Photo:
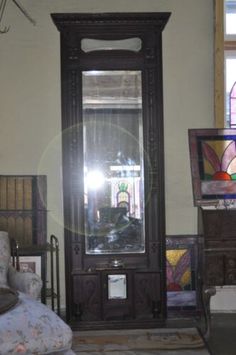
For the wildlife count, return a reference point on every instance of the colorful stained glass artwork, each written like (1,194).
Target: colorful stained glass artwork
(178,269)
(123,196)
(219,160)
(213,164)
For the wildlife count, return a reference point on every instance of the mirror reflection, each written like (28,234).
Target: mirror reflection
(113,162)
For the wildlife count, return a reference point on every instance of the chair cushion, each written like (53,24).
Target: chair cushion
(32,328)
(26,282)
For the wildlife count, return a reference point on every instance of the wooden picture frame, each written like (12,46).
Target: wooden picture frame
(31,264)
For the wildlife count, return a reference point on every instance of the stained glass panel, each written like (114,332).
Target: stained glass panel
(213,165)
(178,270)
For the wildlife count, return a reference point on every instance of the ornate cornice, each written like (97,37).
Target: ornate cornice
(78,20)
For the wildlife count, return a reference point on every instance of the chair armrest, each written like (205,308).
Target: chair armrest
(27,282)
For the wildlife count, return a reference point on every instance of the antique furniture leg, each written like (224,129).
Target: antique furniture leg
(207,293)
(54,245)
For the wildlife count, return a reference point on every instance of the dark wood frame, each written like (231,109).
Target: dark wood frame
(150,266)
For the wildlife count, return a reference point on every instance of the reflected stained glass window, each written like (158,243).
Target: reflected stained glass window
(178,270)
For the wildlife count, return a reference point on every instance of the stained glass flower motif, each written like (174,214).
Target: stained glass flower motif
(219,160)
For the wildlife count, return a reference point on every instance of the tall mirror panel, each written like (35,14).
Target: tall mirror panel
(113,162)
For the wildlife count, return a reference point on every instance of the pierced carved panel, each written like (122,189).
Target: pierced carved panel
(87,296)
(147,294)
(230,269)
(214,270)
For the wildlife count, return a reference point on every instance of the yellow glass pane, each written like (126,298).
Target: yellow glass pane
(173,256)
(186,278)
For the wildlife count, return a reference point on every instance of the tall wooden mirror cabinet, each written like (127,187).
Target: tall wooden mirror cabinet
(113,168)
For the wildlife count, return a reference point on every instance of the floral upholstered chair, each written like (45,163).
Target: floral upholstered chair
(26,325)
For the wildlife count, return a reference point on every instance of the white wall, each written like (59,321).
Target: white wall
(224,300)
(30,96)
